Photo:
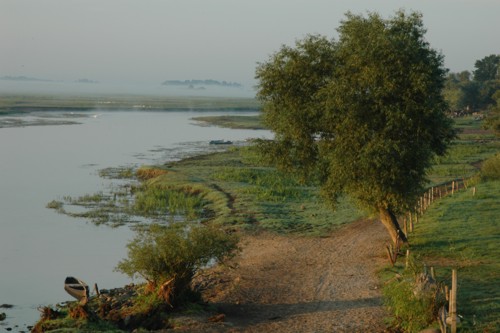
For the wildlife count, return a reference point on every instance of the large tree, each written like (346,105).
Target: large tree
(364,115)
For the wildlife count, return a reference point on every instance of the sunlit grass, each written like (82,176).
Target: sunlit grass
(463,231)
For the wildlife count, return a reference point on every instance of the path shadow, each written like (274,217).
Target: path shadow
(254,313)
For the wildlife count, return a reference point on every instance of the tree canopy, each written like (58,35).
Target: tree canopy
(487,68)
(469,93)
(364,115)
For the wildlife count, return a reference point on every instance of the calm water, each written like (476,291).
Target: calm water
(39,247)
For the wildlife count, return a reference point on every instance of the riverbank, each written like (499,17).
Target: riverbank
(276,284)
(286,277)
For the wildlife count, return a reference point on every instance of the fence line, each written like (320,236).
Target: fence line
(447,317)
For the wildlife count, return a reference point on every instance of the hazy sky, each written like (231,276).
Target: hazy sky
(151,41)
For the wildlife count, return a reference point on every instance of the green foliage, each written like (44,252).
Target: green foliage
(364,115)
(487,68)
(413,301)
(464,93)
(493,117)
(178,251)
(491,168)
(155,200)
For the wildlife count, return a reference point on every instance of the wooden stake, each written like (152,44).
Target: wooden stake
(474,191)
(453,303)
(96,289)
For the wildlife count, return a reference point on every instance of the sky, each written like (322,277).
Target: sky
(150,41)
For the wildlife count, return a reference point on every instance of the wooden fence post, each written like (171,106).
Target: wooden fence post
(453,301)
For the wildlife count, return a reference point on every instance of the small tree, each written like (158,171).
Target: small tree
(174,253)
(365,114)
(493,119)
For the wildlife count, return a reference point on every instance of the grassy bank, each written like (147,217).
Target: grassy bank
(463,232)
(459,231)
(232,189)
(257,196)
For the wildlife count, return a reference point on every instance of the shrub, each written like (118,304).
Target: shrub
(414,300)
(169,256)
(491,168)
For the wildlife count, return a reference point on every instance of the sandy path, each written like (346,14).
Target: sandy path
(297,284)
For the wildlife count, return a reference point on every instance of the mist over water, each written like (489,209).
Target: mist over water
(121,88)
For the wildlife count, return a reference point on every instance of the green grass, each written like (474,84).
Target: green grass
(464,157)
(249,195)
(463,231)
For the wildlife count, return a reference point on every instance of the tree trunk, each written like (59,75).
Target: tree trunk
(390,222)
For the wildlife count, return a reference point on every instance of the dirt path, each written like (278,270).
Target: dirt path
(292,284)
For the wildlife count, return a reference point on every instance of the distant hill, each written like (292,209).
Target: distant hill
(22,78)
(194,83)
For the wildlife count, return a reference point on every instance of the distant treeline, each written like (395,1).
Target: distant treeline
(202,82)
(22,78)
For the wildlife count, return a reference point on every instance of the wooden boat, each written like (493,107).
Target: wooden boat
(77,288)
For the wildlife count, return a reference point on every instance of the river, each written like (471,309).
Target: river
(38,246)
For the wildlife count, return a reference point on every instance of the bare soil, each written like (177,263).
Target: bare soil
(301,284)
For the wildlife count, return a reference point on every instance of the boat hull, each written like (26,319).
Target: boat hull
(76,288)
